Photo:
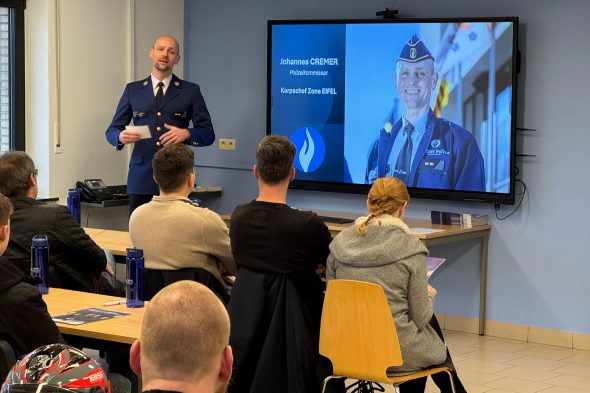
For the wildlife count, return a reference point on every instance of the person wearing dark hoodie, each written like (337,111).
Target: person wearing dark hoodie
(24,320)
(76,258)
(380,249)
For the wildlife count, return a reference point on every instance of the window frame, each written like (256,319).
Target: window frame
(17,72)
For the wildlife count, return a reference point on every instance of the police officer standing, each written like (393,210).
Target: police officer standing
(421,149)
(166,104)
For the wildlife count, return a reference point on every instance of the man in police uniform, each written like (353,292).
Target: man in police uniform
(423,150)
(166,104)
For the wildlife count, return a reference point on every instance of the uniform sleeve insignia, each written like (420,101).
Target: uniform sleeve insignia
(388,127)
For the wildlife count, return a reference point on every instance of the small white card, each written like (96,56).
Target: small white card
(425,231)
(144,131)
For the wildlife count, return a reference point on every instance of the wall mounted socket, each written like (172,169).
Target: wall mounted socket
(227,144)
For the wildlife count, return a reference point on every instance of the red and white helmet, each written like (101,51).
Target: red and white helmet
(56,368)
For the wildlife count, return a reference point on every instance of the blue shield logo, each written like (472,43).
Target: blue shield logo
(310,147)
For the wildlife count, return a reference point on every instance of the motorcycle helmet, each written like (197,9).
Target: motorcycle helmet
(56,368)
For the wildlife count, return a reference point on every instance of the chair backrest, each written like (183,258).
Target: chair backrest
(274,333)
(7,359)
(154,280)
(357,332)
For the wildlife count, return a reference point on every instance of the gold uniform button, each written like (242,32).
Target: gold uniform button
(159,128)
(158,143)
(159,114)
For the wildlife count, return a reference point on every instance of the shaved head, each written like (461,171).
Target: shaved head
(166,36)
(184,332)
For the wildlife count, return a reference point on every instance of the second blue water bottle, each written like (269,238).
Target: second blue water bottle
(74,203)
(40,262)
(134,278)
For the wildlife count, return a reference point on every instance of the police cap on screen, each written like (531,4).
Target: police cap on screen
(414,51)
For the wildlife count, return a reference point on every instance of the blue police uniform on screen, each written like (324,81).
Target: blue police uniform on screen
(421,149)
(181,104)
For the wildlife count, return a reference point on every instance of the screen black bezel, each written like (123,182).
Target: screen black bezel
(426,193)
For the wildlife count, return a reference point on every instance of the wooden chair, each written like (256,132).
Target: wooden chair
(359,337)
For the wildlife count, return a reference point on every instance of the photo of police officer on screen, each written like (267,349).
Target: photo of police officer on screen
(421,149)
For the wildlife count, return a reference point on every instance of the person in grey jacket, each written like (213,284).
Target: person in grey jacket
(380,249)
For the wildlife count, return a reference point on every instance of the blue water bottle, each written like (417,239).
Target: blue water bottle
(134,278)
(74,203)
(40,262)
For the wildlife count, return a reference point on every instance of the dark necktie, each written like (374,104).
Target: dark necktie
(159,93)
(404,160)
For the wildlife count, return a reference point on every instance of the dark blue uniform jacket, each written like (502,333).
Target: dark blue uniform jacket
(181,104)
(447,157)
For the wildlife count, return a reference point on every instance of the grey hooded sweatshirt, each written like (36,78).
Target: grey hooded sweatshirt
(389,255)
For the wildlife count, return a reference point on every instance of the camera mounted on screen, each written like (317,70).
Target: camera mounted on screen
(387,13)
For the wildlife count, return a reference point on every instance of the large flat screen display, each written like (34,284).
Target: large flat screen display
(429,101)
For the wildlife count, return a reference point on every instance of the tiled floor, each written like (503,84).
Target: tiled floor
(497,365)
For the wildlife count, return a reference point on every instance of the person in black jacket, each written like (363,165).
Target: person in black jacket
(74,256)
(276,301)
(24,320)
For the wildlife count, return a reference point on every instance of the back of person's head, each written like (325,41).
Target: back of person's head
(274,159)
(172,165)
(16,168)
(184,332)
(5,212)
(386,196)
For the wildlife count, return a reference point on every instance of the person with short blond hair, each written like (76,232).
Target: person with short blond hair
(184,342)
(380,249)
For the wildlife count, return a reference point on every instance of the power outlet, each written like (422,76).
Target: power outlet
(227,144)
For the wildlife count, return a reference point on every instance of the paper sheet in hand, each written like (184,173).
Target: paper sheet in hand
(87,315)
(144,131)
(432,263)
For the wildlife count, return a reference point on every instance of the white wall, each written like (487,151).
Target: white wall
(37,89)
(152,19)
(79,56)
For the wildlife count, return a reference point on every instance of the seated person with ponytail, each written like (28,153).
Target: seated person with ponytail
(380,249)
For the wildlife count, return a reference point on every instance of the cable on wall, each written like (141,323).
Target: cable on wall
(522,194)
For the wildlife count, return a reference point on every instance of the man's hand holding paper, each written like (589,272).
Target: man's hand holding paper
(132,134)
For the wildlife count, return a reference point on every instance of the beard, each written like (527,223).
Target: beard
(163,68)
